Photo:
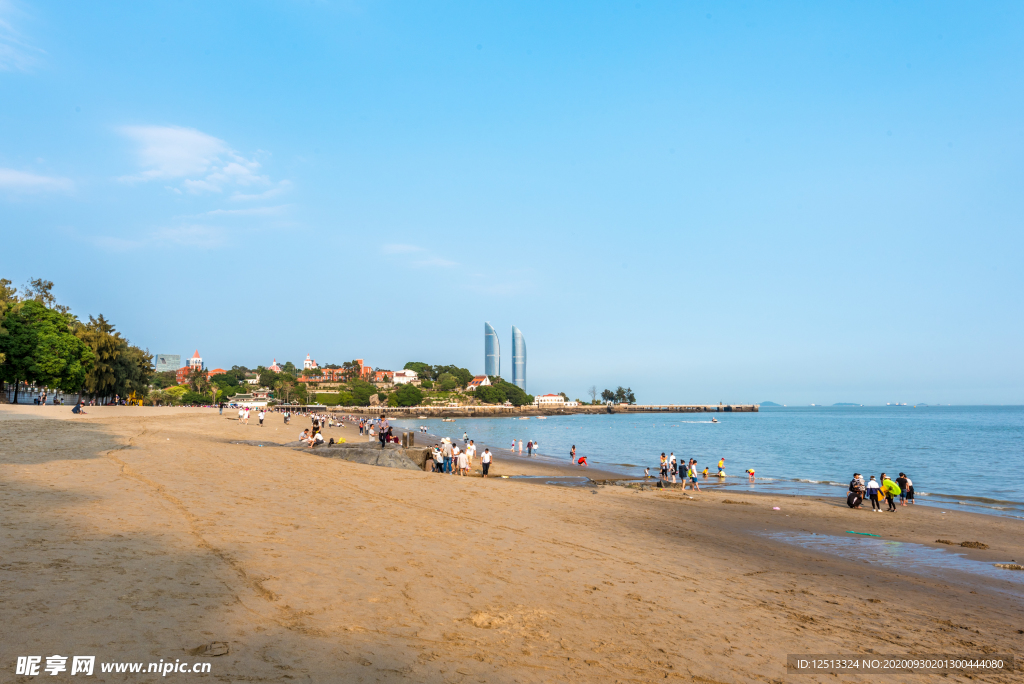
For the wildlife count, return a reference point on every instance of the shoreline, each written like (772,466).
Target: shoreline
(782,486)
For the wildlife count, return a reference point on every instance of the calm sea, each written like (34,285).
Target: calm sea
(968,457)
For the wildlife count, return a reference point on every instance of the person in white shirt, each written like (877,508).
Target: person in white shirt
(318,440)
(241,414)
(470,453)
(485,460)
(304,435)
(872,491)
(246,418)
(262,415)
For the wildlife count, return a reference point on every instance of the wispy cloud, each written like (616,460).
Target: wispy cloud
(21,181)
(192,236)
(251,211)
(424,258)
(16,54)
(436,262)
(401,249)
(282,186)
(203,163)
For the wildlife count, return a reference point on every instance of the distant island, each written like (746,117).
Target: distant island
(769,403)
(845,404)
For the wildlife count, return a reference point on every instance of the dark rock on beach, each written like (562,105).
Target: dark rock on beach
(391,456)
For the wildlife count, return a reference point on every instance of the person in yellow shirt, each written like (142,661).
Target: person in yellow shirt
(721,467)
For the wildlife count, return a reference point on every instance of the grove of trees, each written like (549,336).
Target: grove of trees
(43,343)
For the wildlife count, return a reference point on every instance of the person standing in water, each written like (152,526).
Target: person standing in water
(529,448)
(673,467)
(520,447)
(721,466)
(572,454)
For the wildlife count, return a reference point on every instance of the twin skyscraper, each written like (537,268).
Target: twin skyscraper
(492,355)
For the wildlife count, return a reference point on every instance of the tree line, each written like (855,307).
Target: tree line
(43,343)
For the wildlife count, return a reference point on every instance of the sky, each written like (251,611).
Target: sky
(703,201)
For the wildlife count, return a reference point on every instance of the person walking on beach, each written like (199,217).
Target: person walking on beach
(663,467)
(470,453)
(485,460)
(872,490)
(910,491)
(438,461)
(572,454)
(529,448)
(693,475)
(246,418)
(241,414)
(262,415)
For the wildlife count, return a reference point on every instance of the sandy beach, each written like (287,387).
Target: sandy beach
(140,534)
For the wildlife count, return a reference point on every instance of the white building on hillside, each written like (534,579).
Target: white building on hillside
(308,363)
(403,377)
(549,401)
(478,381)
(196,361)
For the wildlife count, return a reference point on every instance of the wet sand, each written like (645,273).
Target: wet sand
(135,534)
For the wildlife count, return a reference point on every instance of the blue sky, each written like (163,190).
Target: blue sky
(798,202)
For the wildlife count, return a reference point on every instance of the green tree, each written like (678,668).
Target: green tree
(39,346)
(290,369)
(361,392)
(446,382)
(607,396)
(408,395)
(169,379)
(426,383)
(490,394)
(423,370)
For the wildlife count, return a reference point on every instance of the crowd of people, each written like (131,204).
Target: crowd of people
(450,459)
(883,489)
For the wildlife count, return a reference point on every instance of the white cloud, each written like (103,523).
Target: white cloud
(282,186)
(195,235)
(401,249)
(15,53)
(21,181)
(202,162)
(252,211)
(437,261)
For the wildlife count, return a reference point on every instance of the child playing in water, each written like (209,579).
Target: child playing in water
(750,472)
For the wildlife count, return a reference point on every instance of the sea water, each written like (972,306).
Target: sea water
(958,457)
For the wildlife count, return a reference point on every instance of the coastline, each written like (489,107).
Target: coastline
(163,536)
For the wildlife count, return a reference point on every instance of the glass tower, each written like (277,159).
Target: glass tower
(492,352)
(518,359)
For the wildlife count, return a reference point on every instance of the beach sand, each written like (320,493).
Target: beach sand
(139,534)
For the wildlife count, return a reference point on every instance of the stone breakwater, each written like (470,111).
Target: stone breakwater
(515,411)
